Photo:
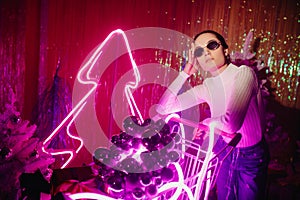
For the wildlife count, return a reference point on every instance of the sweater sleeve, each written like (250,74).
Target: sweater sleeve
(171,102)
(244,87)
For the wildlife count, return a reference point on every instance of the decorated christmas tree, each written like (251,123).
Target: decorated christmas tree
(20,152)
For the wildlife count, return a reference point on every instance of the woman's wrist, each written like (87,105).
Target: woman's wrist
(184,75)
(190,68)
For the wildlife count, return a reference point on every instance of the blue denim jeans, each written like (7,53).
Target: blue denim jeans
(243,174)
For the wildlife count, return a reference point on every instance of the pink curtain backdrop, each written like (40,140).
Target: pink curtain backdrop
(35,35)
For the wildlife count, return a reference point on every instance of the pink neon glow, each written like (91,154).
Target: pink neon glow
(204,167)
(59,152)
(69,133)
(179,185)
(128,87)
(87,67)
(209,155)
(90,195)
(172,116)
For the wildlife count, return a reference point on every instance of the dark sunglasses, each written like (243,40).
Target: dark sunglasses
(211,45)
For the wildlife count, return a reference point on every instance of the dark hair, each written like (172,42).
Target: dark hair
(218,36)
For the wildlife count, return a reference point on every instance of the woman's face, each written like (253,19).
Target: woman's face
(211,60)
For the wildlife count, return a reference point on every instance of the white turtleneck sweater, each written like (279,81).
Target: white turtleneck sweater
(233,97)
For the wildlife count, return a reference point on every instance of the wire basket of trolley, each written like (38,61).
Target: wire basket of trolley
(199,166)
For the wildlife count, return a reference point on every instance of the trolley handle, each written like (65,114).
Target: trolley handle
(204,127)
(235,140)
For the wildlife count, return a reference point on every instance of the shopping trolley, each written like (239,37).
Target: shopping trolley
(197,169)
(200,166)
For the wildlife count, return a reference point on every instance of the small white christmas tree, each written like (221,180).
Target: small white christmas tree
(20,152)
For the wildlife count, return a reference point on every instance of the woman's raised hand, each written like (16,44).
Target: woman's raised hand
(191,66)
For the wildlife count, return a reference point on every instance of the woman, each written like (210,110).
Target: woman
(233,96)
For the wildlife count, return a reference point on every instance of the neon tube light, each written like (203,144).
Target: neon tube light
(85,72)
